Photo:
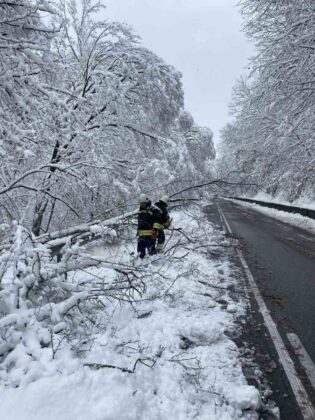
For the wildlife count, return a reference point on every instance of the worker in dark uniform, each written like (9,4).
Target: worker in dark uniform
(149,218)
(162,205)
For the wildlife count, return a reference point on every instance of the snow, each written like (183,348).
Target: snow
(243,398)
(304,202)
(168,355)
(297,220)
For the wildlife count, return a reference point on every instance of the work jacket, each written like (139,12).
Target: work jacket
(165,217)
(149,218)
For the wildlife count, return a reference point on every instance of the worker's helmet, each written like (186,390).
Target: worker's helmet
(165,199)
(143,198)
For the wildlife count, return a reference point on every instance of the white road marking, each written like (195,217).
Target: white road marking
(303,357)
(302,398)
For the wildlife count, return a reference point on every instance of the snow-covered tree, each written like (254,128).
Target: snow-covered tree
(274,111)
(94,119)
(185,122)
(24,54)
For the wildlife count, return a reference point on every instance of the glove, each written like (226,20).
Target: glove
(154,234)
(168,223)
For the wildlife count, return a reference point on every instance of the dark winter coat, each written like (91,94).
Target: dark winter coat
(148,218)
(165,217)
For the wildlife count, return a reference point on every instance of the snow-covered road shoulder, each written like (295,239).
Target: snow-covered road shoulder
(165,353)
(293,219)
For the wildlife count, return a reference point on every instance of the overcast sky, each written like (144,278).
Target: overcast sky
(202,39)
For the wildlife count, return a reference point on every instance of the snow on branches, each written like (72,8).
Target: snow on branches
(41,296)
(272,138)
(88,116)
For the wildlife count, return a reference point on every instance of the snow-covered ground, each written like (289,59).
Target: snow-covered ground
(305,202)
(165,354)
(293,219)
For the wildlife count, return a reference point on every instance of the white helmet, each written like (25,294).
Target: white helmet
(165,199)
(143,198)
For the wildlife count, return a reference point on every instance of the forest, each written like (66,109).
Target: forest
(89,119)
(271,139)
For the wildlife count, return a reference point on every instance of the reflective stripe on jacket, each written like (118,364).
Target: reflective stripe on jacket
(165,218)
(158,226)
(148,218)
(145,232)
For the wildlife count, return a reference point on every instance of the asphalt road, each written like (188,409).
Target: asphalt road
(281,258)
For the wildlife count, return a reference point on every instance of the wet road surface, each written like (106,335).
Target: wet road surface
(281,258)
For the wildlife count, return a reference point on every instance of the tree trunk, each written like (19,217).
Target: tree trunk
(38,216)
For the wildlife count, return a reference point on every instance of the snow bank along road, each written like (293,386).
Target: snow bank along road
(280,259)
(156,346)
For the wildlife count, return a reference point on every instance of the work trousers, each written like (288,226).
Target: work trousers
(146,243)
(160,240)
